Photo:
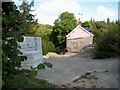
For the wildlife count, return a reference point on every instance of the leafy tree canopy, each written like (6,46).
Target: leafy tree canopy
(108,45)
(86,24)
(40,30)
(43,31)
(65,23)
(15,24)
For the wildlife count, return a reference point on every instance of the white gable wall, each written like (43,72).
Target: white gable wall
(78,33)
(77,39)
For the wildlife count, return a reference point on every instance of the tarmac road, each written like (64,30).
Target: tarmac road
(67,69)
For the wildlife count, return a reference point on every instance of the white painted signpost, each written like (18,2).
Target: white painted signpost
(32,48)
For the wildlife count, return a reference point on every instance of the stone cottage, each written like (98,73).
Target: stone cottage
(77,39)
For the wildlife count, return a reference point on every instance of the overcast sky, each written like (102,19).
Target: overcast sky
(48,10)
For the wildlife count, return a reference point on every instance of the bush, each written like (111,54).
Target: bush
(60,51)
(15,23)
(108,45)
(14,26)
(47,46)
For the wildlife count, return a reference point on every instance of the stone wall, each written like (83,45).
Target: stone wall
(77,44)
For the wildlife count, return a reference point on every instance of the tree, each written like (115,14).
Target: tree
(108,21)
(62,26)
(40,30)
(86,24)
(91,21)
(15,24)
(108,45)
(100,24)
(43,31)
(117,22)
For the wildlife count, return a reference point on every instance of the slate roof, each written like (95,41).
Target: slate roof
(89,29)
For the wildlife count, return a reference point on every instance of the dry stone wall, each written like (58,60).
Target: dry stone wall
(77,44)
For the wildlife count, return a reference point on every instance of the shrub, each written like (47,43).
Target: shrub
(47,46)
(60,50)
(108,45)
(15,24)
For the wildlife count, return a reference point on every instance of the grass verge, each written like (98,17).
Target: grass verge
(22,81)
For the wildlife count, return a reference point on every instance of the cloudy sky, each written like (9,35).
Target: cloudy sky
(48,10)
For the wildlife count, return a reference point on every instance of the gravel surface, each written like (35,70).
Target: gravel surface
(67,72)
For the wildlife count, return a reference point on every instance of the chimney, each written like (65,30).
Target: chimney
(79,22)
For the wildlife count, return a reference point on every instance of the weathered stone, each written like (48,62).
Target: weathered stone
(77,44)
(87,52)
(32,48)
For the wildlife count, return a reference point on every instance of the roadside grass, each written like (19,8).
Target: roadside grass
(22,81)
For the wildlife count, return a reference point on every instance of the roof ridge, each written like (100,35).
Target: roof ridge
(82,29)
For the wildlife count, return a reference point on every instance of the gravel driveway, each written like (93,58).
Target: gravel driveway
(68,69)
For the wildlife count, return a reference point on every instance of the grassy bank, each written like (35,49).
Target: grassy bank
(22,81)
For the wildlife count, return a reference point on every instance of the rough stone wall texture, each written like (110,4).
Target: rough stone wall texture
(32,48)
(77,44)
(87,52)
